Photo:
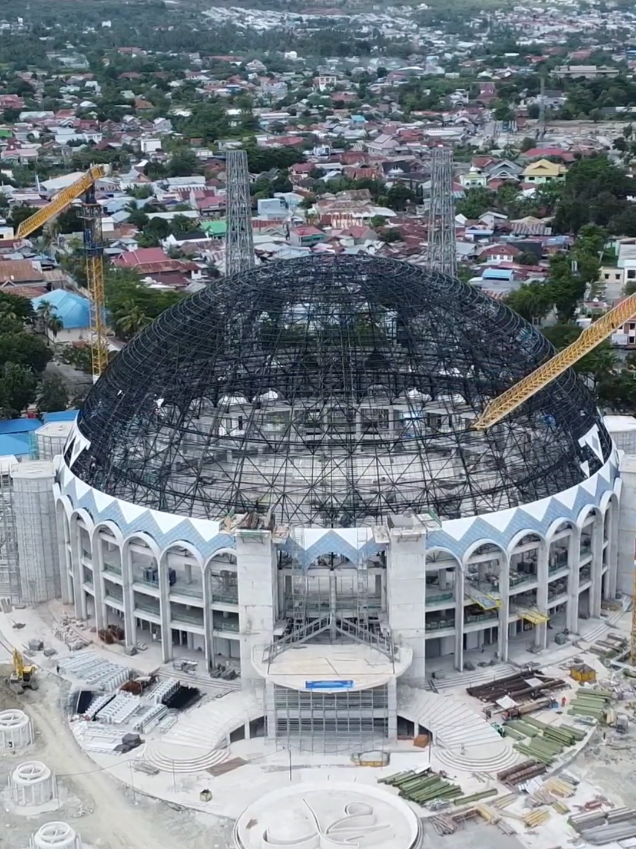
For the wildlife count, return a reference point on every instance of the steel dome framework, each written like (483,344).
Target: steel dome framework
(334,391)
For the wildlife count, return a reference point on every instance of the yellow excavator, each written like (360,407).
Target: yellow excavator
(23,676)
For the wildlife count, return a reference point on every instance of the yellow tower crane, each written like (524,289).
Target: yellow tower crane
(512,398)
(83,188)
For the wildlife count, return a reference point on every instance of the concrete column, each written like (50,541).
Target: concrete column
(66,564)
(392,708)
(76,554)
(611,517)
(541,631)
(574,581)
(98,580)
(441,578)
(80,595)
(596,590)
(188,573)
(208,637)
(406,593)
(130,626)
(270,711)
(504,592)
(333,602)
(459,618)
(164,609)
(256,569)
(627,525)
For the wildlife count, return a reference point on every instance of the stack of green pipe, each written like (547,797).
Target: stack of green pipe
(531,752)
(466,800)
(523,726)
(589,703)
(514,732)
(422,787)
(564,734)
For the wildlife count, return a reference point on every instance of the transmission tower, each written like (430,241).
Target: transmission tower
(442,252)
(239,240)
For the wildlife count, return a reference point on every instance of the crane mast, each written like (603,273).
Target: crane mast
(93,249)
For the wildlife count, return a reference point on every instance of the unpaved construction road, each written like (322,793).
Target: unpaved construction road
(98,807)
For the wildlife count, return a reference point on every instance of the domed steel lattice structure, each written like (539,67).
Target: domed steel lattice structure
(334,391)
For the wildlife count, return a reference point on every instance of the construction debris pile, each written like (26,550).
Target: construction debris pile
(67,632)
(598,827)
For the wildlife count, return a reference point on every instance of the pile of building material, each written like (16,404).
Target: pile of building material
(521,773)
(536,818)
(599,828)
(524,686)
(611,647)
(589,702)
(422,786)
(547,741)
(67,633)
(98,673)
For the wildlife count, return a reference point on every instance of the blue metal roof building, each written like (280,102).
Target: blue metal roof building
(72,310)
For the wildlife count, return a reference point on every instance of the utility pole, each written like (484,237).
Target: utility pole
(239,239)
(442,250)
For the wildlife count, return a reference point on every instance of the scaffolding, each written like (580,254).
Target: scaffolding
(442,249)
(9,564)
(36,531)
(239,240)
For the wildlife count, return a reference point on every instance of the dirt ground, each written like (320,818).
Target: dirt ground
(105,814)
(610,765)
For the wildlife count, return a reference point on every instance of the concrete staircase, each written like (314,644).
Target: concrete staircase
(462,739)
(482,675)
(200,738)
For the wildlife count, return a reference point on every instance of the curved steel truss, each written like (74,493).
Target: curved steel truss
(335,391)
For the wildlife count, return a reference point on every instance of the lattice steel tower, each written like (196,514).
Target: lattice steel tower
(442,252)
(239,244)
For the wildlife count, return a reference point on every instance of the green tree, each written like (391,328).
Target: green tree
(392,234)
(184,163)
(533,301)
(18,389)
(399,195)
(133,320)
(53,395)
(475,203)
(26,350)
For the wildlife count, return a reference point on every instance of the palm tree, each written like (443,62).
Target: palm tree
(43,315)
(133,319)
(55,324)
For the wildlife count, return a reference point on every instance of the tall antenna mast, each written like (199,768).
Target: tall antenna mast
(541,121)
(239,239)
(442,250)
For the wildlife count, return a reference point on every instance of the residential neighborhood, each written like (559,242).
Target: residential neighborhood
(339,143)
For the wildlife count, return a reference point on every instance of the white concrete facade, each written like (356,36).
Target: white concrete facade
(470,583)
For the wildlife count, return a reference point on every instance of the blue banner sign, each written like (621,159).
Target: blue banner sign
(328,685)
